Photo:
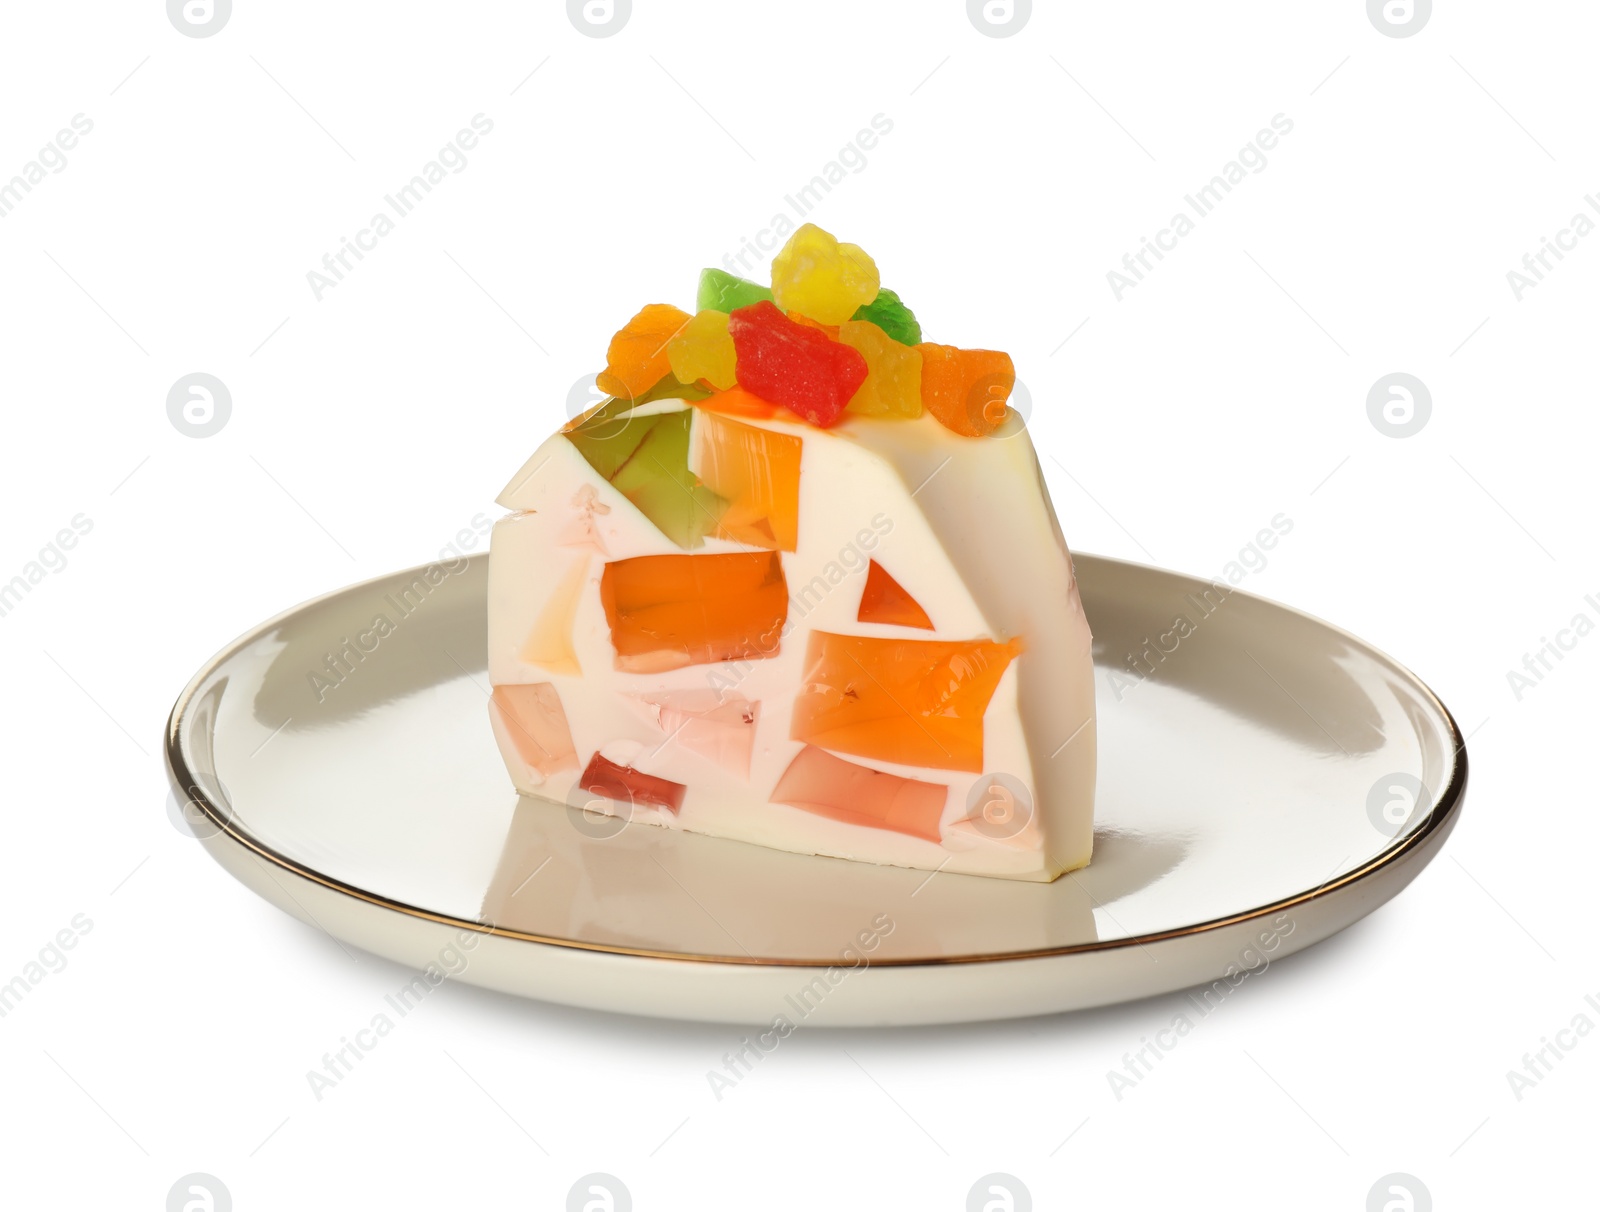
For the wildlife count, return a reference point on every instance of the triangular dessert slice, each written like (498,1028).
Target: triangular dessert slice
(693,625)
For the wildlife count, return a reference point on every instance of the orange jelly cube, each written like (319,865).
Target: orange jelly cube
(884,600)
(715,724)
(757,472)
(669,611)
(830,786)
(966,389)
(737,402)
(625,785)
(531,721)
(636,359)
(917,702)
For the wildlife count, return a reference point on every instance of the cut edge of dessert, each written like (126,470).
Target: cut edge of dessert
(797,581)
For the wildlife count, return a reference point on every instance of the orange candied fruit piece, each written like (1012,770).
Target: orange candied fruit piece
(884,600)
(670,611)
(830,786)
(757,472)
(916,702)
(636,359)
(966,389)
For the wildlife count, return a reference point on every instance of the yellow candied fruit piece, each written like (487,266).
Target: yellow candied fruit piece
(703,350)
(821,278)
(893,386)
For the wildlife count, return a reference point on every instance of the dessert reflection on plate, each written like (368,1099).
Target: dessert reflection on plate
(637,887)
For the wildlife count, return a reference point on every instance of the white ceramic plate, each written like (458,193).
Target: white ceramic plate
(1255,796)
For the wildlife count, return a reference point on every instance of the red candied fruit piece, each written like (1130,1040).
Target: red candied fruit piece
(794,365)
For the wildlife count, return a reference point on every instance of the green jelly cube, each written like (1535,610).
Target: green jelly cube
(891,315)
(723,292)
(608,437)
(658,481)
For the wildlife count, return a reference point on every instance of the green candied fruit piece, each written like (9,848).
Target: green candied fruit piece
(658,481)
(891,315)
(723,292)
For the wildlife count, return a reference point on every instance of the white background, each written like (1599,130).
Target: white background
(369,427)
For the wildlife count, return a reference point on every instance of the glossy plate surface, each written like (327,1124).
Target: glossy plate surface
(1255,796)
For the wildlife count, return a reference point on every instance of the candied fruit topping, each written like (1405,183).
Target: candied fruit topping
(720,727)
(669,611)
(702,349)
(531,720)
(721,291)
(757,472)
(816,275)
(830,786)
(916,702)
(893,386)
(636,359)
(625,785)
(966,389)
(826,337)
(893,316)
(793,365)
(885,601)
